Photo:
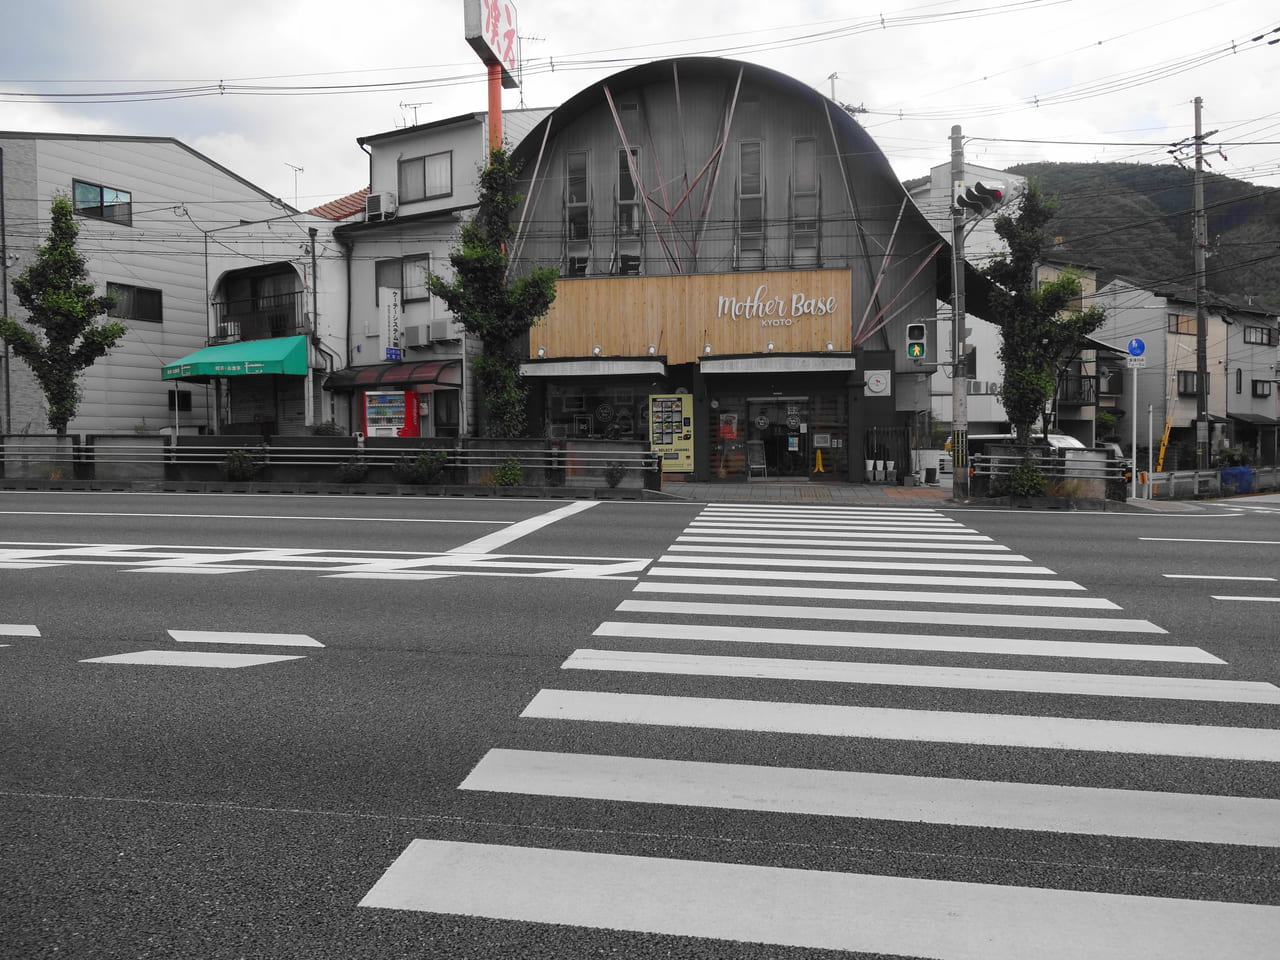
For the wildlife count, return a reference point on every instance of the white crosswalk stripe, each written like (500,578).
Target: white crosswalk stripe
(718,585)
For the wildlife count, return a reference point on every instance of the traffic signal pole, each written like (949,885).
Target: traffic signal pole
(959,391)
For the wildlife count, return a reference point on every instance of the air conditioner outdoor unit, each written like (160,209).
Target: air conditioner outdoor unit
(379,206)
(416,335)
(444,330)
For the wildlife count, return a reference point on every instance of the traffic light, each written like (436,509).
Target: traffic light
(981,198)
(917,346)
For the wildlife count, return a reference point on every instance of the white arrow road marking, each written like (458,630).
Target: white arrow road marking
(18,630)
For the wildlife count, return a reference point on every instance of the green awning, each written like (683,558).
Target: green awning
(286,355)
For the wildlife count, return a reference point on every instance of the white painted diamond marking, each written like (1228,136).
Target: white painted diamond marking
(191,658)
(258,639)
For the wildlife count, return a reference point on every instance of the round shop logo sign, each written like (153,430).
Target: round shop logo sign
(762,422)
(604,412)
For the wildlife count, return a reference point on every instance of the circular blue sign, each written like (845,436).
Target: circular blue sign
(1136,347)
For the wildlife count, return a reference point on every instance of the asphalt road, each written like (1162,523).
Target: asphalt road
(300,727)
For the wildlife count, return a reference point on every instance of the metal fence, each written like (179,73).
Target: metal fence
(329,459)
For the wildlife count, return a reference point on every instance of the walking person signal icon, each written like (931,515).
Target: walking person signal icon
(916,342)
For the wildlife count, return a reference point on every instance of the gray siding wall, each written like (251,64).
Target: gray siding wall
(163,249)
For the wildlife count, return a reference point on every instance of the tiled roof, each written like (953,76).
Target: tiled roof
(343,207)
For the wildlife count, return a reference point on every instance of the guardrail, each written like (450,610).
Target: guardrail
(331,459)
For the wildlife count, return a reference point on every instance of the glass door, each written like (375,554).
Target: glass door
(779,426)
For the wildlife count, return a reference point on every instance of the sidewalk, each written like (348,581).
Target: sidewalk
(934,495)
(801,491)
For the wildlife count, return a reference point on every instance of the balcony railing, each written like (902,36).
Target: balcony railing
(281,315)
(1078,390)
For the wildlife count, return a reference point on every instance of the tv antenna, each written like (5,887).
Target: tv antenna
(414,107)
(296,170)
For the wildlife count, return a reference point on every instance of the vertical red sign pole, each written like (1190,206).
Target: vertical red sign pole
(495,106)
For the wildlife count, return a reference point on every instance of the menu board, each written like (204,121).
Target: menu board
(671,431)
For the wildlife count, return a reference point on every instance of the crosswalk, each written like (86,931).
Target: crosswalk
(856,583)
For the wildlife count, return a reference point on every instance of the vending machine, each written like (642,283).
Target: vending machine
(391,413)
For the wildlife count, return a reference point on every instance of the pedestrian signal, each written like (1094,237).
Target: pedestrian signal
(917,346)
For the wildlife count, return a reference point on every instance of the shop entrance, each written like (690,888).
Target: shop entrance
(778,437)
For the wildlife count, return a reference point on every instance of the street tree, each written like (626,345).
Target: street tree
(1042,325)
(60,338)
(492,305)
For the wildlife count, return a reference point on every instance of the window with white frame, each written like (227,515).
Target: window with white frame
(136,303)
(426,178)
(102,203)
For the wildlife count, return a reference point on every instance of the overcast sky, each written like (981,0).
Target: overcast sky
(1063,80)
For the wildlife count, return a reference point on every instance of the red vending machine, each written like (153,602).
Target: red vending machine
(391,413)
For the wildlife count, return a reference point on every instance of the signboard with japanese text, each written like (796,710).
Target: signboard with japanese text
(671,431)
(490,27)
(389,298)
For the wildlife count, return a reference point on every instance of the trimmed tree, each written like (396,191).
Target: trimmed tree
(495,308)
(1042,327)
(60,338)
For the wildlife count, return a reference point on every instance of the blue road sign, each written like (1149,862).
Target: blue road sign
(1136,347)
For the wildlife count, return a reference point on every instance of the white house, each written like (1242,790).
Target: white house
(147,208)
(405,370)
(1242,352)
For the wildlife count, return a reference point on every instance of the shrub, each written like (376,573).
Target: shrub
(426,467)
(614,471)
(352,471)
(508,475)
(242,465)
(328,429)
(1026,480)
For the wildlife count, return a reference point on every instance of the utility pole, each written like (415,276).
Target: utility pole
(959,388)
(1199,241)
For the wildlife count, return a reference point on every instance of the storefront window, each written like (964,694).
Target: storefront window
(778,437)
(605,411)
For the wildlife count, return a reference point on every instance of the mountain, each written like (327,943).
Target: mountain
(1135,221)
